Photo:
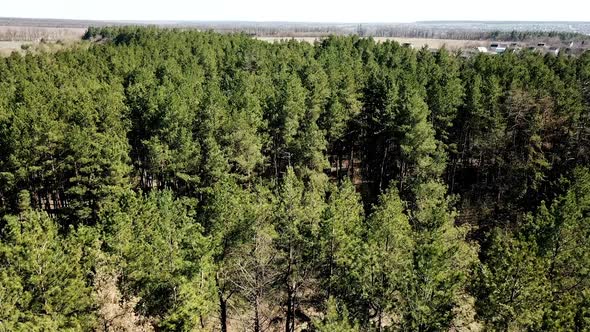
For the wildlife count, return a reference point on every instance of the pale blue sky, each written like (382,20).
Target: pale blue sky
(301,10)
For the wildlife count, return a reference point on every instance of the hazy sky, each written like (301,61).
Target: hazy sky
(301,10)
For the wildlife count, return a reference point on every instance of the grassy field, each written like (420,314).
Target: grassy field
(33,33)
(20,34)
(19,38)
(7,47)
(451,44)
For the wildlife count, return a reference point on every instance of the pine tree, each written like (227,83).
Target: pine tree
(253,263)
(163,258)
(44,281)
(562,233)
(336,319)
(245,123)
(341,244)
(389,255)
(441,262)
(444,90)
(511,285)
(228,215)
(297,217)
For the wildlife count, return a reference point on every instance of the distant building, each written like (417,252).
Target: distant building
(482,49)
(408,45)
(497,48)
(553,51)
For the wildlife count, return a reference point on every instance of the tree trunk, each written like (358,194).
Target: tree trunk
(351,165)
(223,313)
(288,327)
(382,168)
(256,314)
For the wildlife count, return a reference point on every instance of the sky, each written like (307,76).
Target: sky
(385,11)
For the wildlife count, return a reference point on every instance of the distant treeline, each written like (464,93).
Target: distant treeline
(31,29)
(472,34)
(538,35)
(168,180)
(400,30)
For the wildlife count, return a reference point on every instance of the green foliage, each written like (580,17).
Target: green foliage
(444,88)
(389,256)
(297,215)
(184,180)
(166,260)
(562,233)
(341,243)
(441,261)
(511,284)
(336,319)
(539,279)
(43,275)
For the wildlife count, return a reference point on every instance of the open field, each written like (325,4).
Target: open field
(52,34)
(452,44)
(32,33)
(12,38)
(7,47)
(16,38)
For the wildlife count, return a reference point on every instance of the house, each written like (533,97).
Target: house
(553,51)
(482,49)
(497,48)
(500,49)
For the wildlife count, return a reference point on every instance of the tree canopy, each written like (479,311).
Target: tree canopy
(177,180)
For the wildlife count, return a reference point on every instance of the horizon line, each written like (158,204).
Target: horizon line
(172,21)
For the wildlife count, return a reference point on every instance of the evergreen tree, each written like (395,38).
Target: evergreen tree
(297,217)
(511,285)
(444,90)
(336,320)
(44,281)
(175,179)
(562,234)
(163,257)
(389,253)
(441,262)
(341,244)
